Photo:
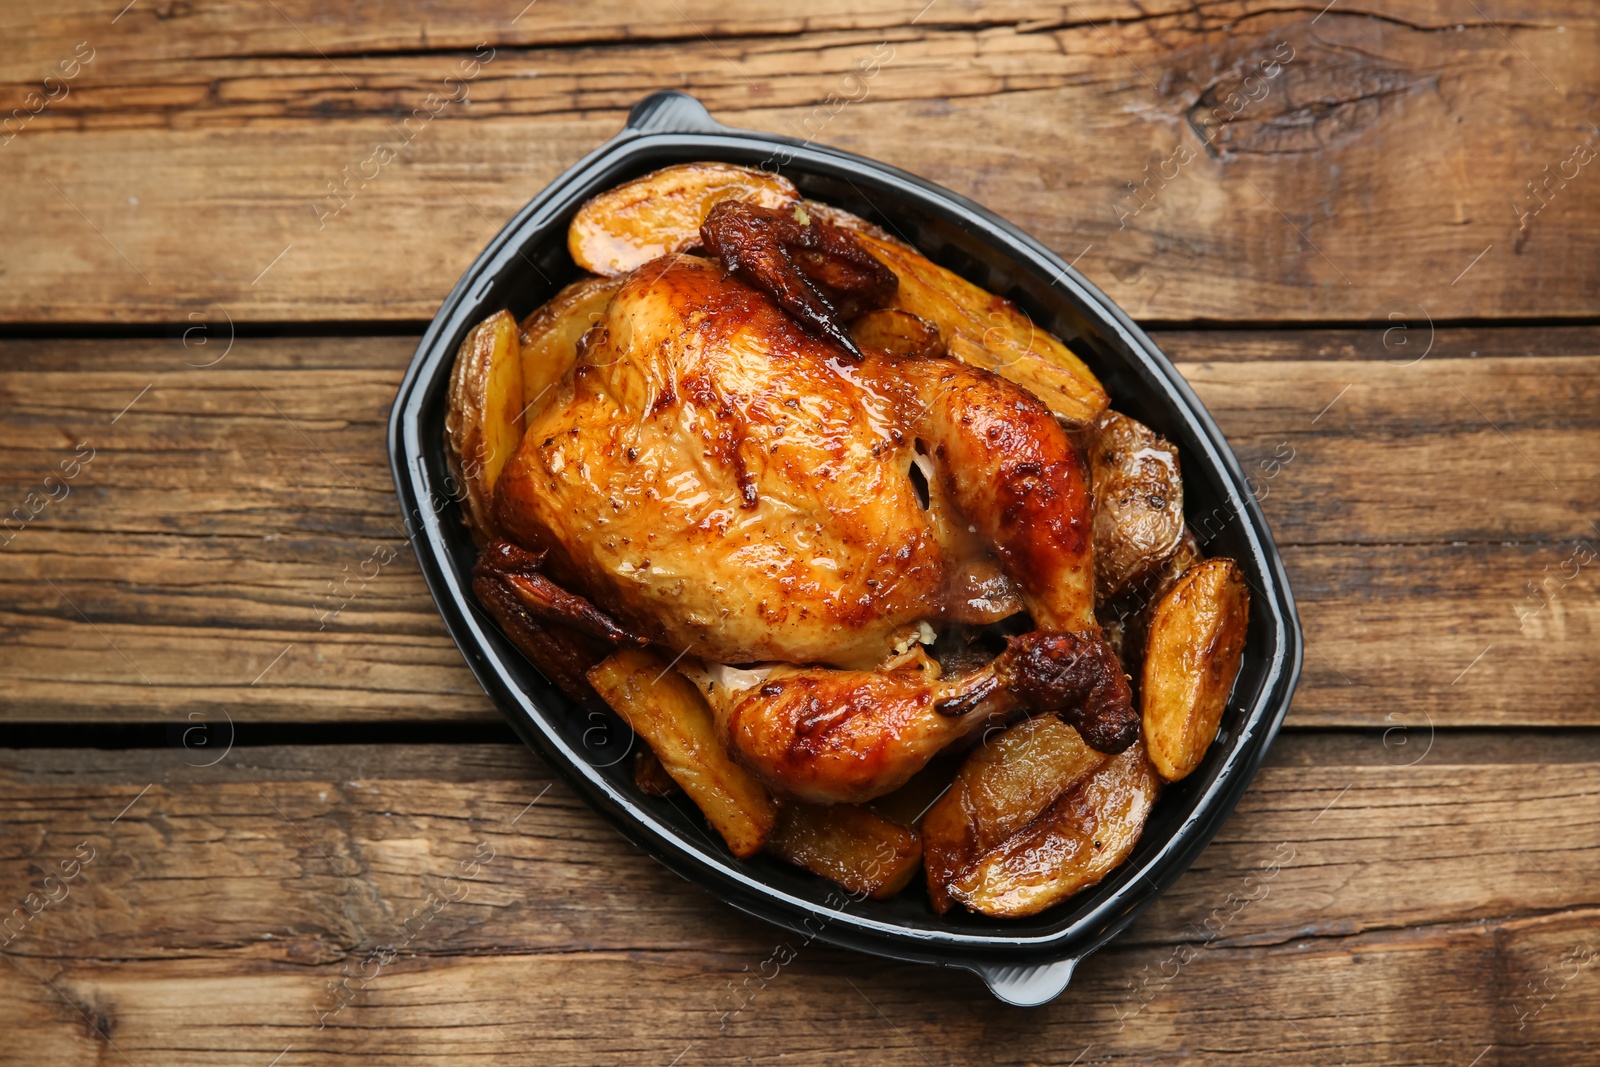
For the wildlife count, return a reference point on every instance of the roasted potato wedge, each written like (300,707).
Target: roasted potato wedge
(858,848)
(484,424)
(1004,785)
(549,338)
(1192,657)
(897,332)
(1138,502)
(988,331)
(1081,838)
(650,776)
(659,214)
(668,712)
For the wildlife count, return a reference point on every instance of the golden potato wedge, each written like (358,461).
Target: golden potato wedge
(650,776)
(1080,839)
(858,848)
(990,332)
(673,719)
(1191,659)
(484,424)
(897,332)
(549,338)
(1138,502)
(624,228)
(1003,787)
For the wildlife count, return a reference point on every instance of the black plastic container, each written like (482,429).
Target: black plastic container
(1024,962)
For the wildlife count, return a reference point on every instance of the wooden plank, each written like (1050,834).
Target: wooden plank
(1398,342)
(1396,634)
(1354,910)
(1410,502)
(257,86)
(1043,117)
(289,433)
(293,28)
(301,28)
(1422,1000)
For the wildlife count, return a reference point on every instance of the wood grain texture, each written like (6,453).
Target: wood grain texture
(1425,512)
(1355,910)
(208,527)
(1374,169)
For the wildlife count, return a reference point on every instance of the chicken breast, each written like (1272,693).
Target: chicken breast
(728,484)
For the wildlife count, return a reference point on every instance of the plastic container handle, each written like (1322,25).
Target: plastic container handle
(670,111)
(1027,986)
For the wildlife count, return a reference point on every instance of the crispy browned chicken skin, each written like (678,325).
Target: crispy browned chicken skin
(728,480)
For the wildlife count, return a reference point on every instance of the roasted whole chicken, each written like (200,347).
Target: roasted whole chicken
(834,489)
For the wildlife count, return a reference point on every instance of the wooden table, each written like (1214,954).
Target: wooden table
(1367,233)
